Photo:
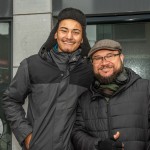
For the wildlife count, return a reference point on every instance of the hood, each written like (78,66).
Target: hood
(51,42)
(68,13)
(132,76)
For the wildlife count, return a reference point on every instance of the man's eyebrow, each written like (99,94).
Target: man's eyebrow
(68,29)
(63,28)
(77,30)
(103,56)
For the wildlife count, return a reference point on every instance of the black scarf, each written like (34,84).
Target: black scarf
(65,61)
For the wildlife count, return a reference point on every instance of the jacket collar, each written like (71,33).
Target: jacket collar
(133,77)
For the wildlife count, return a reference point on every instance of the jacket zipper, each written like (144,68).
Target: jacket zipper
(108,118)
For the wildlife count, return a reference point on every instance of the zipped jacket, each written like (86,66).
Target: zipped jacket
(127,111)
(52,98)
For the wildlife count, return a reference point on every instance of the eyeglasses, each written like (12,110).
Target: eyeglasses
(109,57)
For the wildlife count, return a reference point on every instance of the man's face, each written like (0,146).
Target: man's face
(69,35)
(106,69)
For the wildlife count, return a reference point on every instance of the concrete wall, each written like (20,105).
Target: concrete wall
(31,27)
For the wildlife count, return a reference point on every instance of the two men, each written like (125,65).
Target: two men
(52,80)
(115,113)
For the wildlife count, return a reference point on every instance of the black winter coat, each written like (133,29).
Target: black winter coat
(52,98)
(127,111)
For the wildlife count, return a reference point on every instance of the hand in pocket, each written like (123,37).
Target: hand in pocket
(27,141)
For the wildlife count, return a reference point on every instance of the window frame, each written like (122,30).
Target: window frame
(10,57)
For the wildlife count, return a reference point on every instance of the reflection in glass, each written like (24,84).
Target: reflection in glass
(5,132)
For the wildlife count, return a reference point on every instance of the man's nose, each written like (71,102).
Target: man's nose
(104,61)
(69,35)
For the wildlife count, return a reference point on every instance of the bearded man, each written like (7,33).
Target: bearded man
(114,114)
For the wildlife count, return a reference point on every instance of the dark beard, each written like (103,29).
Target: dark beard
(110,79)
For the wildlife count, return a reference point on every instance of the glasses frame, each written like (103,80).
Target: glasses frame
(101,59)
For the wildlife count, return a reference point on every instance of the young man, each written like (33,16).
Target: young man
(115,113)
(52,80)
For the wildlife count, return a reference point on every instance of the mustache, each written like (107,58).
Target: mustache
(105,67)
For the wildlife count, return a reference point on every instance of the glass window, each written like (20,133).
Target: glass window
(134,38)
(5,45)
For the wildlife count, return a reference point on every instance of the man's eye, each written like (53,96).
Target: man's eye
(75,32)
(109,56)
(98,58)
(64,31)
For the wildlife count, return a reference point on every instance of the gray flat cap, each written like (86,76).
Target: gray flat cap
(105,44)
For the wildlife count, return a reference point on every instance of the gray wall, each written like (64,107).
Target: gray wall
(95,7)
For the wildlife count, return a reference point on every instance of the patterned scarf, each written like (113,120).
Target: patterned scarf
(109,89)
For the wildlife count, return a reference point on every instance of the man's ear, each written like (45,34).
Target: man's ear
(55,36)
(122,57)
(82,40)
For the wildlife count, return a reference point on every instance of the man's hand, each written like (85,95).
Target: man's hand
(27,141)
(116,136)
(112,143)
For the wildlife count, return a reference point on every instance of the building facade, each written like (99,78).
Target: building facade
(25,25)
